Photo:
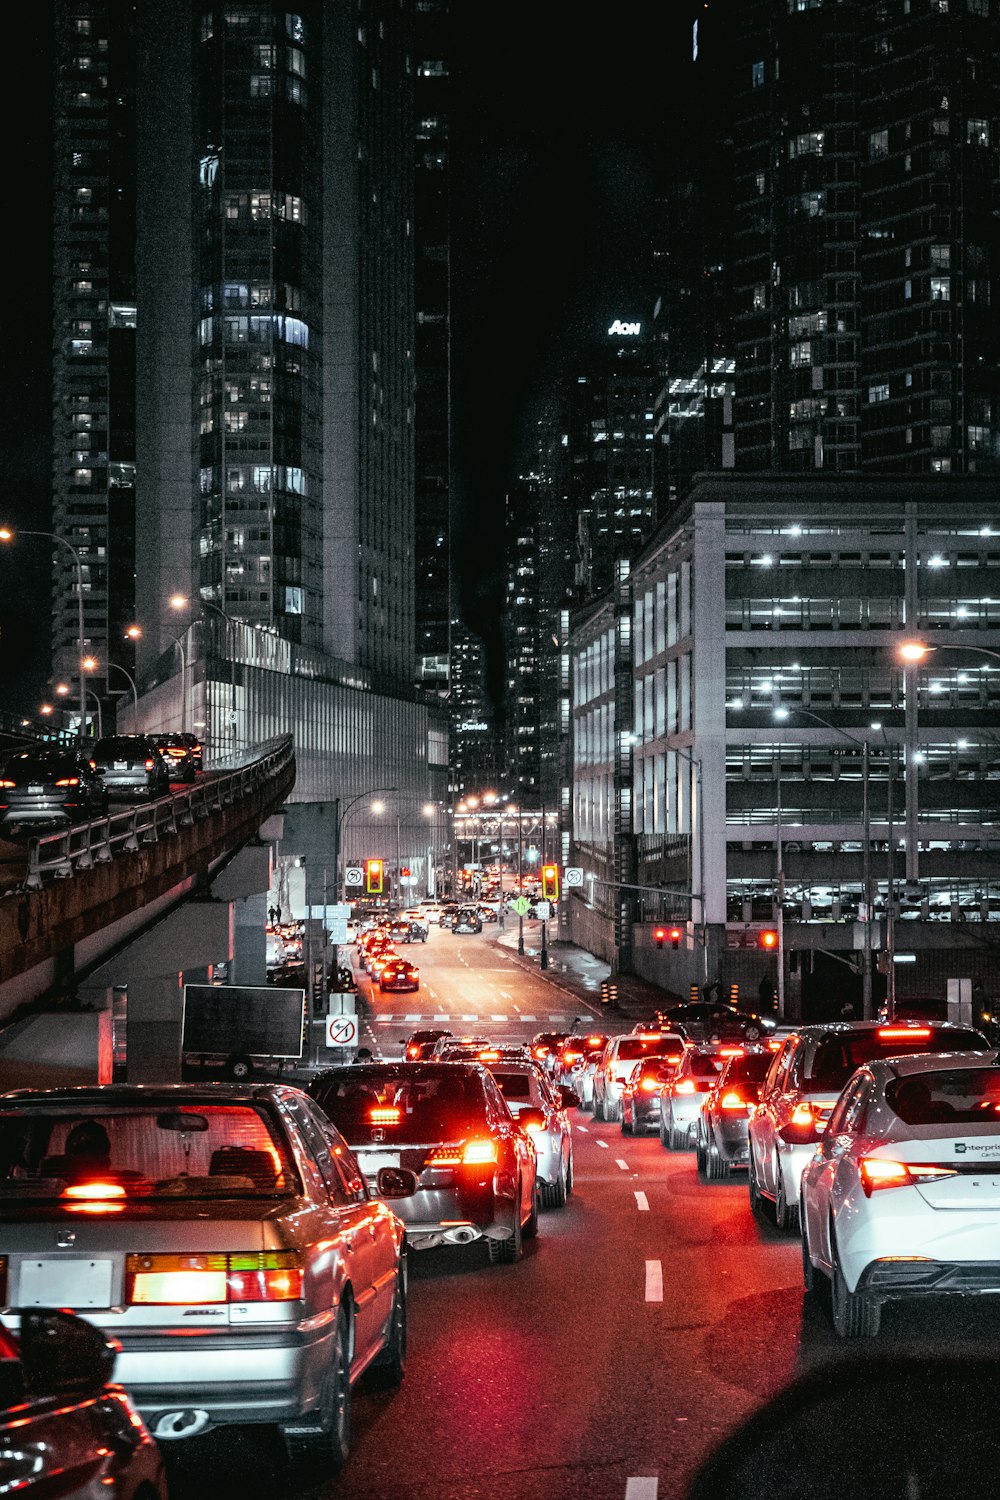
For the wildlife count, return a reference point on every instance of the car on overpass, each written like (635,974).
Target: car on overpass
(48,787)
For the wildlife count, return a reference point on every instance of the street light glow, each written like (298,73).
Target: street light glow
(133,633)
(913,651)
(90,663)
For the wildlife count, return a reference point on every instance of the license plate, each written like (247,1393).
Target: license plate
(34,789)
(373,1162)
(65,1283)
(121,765)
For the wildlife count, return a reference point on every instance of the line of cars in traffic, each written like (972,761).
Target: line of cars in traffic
(876,1142)
(51,786)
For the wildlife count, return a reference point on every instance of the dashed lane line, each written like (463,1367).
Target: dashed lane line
(641,1488)
(622,1164)
(642,1203)
(654,1281)
(604,1144)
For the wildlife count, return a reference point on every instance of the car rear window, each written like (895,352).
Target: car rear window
(520,1087)
(409,1110)
(121,745)
(752,1068)
(170,1151)
(707,1064)
(631,1048)
(837,1057)
(953,1096)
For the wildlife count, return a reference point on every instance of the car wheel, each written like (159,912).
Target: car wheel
(786,1215)
(854,1315)
(717,1168)
(506,1252)
(809,1275)
(752,1034)
(555,1193)
(598,1109)
(664,1137)
(569,1172)
(312,1455)
(701,1157)
(238,1067)
(627,1129)
(390,1367)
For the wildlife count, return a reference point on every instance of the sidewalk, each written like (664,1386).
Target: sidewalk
(579,974)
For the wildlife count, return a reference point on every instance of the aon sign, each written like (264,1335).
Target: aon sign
(631,330)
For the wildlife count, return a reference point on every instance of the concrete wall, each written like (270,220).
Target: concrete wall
(57,1050)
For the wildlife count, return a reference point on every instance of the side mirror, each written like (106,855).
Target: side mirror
(63,1355)
(527,1117)
(396,1182)
(568,1098)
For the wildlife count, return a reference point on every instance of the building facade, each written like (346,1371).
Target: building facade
(777,742)
(473,726)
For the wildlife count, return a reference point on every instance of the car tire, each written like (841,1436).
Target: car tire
(854,1315)
(752,1034)
(598,1109)
(809,1272)
(626,1129)
(239,1067)
(786,1215)
(313,1456)
(701,1158)
(664,1137)
(390,1366)
(509,1251)
(555,1192)
(569,1172)
(530,1230)
(716,1167)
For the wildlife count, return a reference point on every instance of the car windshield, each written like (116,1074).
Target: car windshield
(405,1109)
(166,1151)
(517,1087)
(954,1096)
(837,1057)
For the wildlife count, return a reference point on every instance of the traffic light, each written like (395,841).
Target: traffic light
(767,938)
(373,877)
(676,933)
(659,933)
(550,882)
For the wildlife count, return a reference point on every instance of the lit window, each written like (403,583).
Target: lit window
(941,257)
(977,132)
(800,354)
(940,288)
(878,144)
(940,437)
(757,75)
(810,143)
(878,393)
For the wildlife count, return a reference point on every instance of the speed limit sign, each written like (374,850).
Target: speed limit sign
(341,1031)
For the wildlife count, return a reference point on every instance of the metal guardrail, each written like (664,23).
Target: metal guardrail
(60,855)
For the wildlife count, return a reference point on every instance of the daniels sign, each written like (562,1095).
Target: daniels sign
(631,330)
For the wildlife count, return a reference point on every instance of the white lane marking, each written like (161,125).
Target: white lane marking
(604,1144)
(470,1018)
(442,1017)
(654,1281)
(432,992)
(506,995)
(641,1488)
(620,1163)
(415,1016)
(526,1017)
(498,1018)
(582,1130)
(642,1203)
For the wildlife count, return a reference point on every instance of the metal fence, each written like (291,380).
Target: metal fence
(60,855)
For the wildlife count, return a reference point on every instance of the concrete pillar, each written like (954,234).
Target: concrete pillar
(249,940)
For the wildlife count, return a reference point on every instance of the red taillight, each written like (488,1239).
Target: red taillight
(94,1192)
(149,765)
(8,783)
(174,1280)
(479,1153)
(68,781)
(650,1085)
(732,1051)
(732,1099)
(489,1055)
(385,1114)
(804,1126)
(774,1044)
(413,1050)
(903,1033)
(541,1051)
(673,1058)
(684,1086)
(881,1172)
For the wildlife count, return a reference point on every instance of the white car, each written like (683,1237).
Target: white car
(902,1196)
(540,1108)
(615,1068)
(803,1084)
(681,1097)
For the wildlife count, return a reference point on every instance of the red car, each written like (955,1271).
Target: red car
(399,974)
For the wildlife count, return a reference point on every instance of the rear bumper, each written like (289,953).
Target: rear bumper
(903,1279)
(261,1377)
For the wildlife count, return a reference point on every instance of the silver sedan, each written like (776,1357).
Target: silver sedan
(541,1108)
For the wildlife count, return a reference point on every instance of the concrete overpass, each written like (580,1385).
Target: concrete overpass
(110,919)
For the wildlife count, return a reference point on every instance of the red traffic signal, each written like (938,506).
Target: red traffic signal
(767,938)
(659,934)
(405,870)
(676,933)
(373,877)
(550,882)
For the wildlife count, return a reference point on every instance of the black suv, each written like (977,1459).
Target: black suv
(449,1123)
(703,1022)
(48,787)
(132,767)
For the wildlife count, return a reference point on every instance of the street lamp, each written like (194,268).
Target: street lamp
(339,819)
(62,688)
(181,602)
(7,535)
(696,762)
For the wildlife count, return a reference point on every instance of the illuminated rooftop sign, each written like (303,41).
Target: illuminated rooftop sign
(628,330)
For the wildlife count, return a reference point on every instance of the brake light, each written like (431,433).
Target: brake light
(732,1099)
(802,1114)
(881,1172)
(489,1055)
(94,1192)
(540,1051)
(732,1051)
(479,1153)
(684,1086)
(149,765)
(903,1033)
(595,1041)
(650,1085)
(803,1127)
(649,1036)
(173,1280)
(535,1127)
(389,1114)
(68,781)
(773,1044)
(8,783)
(413,1050)
(673,1058)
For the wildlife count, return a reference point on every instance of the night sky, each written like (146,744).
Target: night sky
(556,123)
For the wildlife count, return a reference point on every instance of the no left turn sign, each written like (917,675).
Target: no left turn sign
(341,1031)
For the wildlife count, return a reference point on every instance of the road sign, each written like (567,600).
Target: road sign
(338,932)
(354,875)
(341,1031)
(543,910)
(521,905)
(573,875)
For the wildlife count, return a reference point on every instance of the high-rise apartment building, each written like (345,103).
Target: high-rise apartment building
(473,730)
(275,414)
(94,332)
(866,235)
(433,584)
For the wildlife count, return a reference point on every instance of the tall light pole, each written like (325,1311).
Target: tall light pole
(7,535)
(113,665)
(783,712)
(181,602)
(339,819)
(696,762)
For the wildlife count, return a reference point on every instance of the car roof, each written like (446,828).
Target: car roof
(851,1028)
(932,1062)
(107,1095)
(416,1069)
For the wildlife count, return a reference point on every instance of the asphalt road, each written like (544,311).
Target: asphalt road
(650,1316)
